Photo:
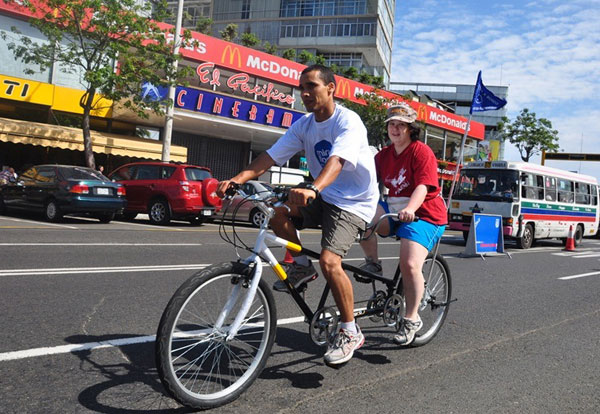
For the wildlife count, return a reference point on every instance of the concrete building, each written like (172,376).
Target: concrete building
(348,33)
(457,98)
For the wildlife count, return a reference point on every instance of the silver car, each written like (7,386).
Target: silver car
(245,211)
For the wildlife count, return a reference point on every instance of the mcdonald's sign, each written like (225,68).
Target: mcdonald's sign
(422,113)
(343,90)
(232,52)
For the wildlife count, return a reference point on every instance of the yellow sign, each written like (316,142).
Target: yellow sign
(233,52)
(26,90)
(343,89)
(422,113)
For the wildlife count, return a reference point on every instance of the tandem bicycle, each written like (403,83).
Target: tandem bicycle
(217,330)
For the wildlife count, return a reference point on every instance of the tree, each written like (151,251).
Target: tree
(289,54)
(373,114)
(320,60)
(305,57)
(89,37)
(249,39)
(529,134)
(204,25)
(230,32)
(269,48)
(351,72)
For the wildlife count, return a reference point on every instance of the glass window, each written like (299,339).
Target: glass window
(550,188)
(533,187)
(125,173)
(148,172)
(166,172)
(594,195)
(582,193)
(437,145)
(46,175)
(197,174)
(80,173)
(565,191)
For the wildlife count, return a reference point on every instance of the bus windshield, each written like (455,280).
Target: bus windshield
(487,185)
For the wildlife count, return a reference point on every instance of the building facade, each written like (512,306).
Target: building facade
(457,98)
(347,33)
(236,104)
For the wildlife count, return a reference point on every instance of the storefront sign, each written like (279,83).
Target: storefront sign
(226,106)
(26,90)
(208,74)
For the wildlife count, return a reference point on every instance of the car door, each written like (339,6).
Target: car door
(42,188)
(13,194)
(144,186)
(126,177)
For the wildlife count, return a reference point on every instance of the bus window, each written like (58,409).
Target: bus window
(550,188)
(565,191)
(582,193)
(594,194)
(533,186)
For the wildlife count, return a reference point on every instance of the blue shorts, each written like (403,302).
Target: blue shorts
(421,231)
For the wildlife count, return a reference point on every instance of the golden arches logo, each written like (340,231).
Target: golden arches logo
(343,89)
(232,52)
(422,113)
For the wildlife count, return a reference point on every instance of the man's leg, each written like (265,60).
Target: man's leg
(282,225)
(340,284)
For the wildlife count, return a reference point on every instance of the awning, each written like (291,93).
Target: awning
(46,135)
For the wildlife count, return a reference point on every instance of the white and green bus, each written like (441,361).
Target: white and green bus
(535,202)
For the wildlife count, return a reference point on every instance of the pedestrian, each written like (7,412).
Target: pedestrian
(344,195)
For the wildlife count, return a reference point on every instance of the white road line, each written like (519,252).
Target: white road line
(82,270)
(103,244)
(42,223)
(579,276)
(90,346)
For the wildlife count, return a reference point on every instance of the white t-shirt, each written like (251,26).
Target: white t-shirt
(344,135)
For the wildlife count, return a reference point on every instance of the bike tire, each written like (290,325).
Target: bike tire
(435,304)
(196,365)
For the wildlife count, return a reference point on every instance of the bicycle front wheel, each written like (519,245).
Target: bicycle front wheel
(197,364)
(435,303)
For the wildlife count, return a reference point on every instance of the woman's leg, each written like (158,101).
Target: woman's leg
(412,257)
(369,246)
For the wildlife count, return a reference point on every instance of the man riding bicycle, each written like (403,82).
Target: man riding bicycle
(344,195)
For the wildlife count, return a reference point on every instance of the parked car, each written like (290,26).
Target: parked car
(168,190)
(59,189)
(245,211)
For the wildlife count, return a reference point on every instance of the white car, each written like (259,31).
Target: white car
(245,211)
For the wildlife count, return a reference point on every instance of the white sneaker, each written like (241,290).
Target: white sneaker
(343,346)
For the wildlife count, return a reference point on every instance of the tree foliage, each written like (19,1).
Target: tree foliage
(269,48)
(289,54)
(530,135)
(249,39)
(204,25)
(305,57)
(88,37)
(373,114)
(230,32)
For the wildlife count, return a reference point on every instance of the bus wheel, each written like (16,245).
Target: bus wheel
(465,236)
(526,239)
(578,235)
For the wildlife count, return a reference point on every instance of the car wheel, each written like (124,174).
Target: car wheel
(159,212)
(129,215)
(197,220)
(52,211)
(105,217)
(257,217)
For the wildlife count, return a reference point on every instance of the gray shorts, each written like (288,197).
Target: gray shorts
(340,228)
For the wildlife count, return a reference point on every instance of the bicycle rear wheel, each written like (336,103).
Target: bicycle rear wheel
(196,363)
(435,303)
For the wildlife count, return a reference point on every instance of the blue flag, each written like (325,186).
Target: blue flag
(483,99)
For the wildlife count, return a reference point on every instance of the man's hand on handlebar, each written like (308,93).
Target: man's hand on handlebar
(224,186)
(301,196)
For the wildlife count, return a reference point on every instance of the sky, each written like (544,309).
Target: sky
(546,51)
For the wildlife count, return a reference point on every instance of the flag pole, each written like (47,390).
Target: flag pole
(459,161)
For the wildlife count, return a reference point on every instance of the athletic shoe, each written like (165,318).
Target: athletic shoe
(343,346)
(297,274)
(369,266)
(407,331)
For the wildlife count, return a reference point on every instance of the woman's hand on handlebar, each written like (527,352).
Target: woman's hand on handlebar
(407,215)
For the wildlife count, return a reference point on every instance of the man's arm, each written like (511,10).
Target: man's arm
(329,173)
(256,168)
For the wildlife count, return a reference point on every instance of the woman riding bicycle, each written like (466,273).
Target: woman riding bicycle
(408,168)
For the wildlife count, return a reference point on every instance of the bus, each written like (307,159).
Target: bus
(535,202)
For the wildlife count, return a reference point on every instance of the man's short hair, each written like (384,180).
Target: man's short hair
(325,73)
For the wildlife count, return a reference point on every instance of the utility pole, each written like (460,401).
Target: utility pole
(166,150)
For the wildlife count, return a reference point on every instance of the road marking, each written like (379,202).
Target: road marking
(91,346)
(40,223)
(579,276)
(117,269)
(103,244)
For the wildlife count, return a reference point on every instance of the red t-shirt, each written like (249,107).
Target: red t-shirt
(402,173)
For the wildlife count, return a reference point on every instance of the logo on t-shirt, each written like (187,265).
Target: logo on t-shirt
(398,183)
(322,150)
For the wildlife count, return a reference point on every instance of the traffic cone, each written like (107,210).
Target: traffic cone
(288,257)
(570,246)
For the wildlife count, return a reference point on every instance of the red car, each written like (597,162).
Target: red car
(168,190)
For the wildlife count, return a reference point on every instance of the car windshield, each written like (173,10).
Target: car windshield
(487,185)
(81,173)
(197,174)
